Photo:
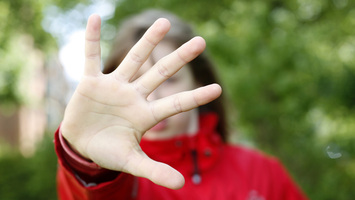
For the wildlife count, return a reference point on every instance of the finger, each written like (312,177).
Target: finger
(142,49)
(92,45)
(169,65)
(184,101)
(159,173)
(121,152)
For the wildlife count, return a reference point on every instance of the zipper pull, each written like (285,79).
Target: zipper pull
(196,177)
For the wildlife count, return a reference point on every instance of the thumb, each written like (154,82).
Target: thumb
(159,173)
(122,153)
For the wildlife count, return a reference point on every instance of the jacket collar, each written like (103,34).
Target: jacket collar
(179,151)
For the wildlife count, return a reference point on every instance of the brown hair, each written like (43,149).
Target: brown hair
(132,29)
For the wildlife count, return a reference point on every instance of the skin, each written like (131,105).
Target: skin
(108,114)
(183,80)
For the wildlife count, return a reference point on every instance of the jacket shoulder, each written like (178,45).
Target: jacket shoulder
(248,156)
(263,173)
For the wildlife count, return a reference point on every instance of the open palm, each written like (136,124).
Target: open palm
(109,113)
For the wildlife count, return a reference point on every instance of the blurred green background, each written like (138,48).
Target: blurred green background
(288,70)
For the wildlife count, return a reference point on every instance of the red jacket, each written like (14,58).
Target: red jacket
(212,170)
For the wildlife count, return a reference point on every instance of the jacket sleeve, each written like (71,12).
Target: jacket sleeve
(82,179)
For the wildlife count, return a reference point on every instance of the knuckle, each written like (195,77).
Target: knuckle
(182,57)
(177,104)
(136,57)
(150,41)
(163,70)
(92,56)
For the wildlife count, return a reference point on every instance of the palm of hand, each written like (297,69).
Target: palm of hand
(108,114)
(110,111)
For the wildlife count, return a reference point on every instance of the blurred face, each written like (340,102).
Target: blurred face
(183,80)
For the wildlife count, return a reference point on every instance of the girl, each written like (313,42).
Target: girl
(136,131)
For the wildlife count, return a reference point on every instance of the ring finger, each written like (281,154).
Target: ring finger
(142,49)
(169,65)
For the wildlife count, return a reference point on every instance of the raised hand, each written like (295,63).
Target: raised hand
(109,113)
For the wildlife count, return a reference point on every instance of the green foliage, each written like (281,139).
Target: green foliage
(29,178)
(21,18)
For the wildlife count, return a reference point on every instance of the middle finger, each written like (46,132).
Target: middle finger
(169,65)
(142,49)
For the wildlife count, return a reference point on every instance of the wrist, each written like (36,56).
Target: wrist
(85,170)
(72,151)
